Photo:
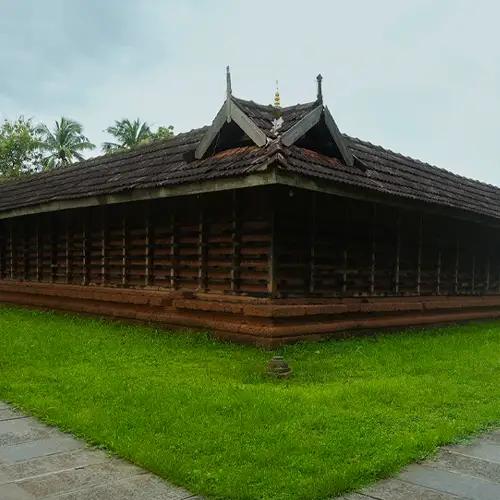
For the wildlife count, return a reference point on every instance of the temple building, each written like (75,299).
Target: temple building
(268,226)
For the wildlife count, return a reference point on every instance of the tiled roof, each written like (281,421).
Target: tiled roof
(170,163)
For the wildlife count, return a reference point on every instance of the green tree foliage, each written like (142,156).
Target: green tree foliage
(164,133)
(64,144)
(19,148)
(129,134)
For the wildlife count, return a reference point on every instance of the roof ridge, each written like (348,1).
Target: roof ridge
(271,107)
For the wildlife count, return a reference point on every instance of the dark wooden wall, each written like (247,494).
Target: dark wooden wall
(261,241)
(216,243)
(331,246)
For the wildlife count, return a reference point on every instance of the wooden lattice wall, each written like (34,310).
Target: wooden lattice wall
(326,245)
(213,243)
(264,242)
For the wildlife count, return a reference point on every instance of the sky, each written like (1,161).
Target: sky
(421,78)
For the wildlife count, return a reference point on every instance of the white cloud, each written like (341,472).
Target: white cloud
(421,78)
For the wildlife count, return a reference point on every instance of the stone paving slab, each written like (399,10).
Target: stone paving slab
(469,471)
(40,462)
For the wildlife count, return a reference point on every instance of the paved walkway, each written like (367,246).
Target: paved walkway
(37,461)
(469,471)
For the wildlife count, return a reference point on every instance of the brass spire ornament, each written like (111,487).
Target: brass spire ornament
(278,119)
(277,98)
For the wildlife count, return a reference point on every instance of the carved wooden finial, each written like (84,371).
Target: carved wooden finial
(319,79)
(228,82)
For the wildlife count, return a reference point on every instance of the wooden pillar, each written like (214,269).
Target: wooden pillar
(487,285)
(2,251)
(53,248)
(236,244)
(104,245)
(473,274)
(11,238)
(68,249)
(85,251)
(419,254)
(148,255)
(25,250)
(457,264)
(173,251)
(37,248)
(344,270)
(373,250)
(312,243)
(272,284)
(398,253)
(124,249)
(202,251)
(438,273)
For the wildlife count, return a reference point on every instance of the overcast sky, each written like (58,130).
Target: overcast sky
(420,77)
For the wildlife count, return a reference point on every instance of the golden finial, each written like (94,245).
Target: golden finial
(277,98)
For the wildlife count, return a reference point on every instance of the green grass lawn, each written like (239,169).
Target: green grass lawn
(204,415)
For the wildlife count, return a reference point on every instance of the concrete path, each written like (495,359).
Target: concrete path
(469,471)
(37,461)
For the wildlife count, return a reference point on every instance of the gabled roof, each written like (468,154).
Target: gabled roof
(239,121)
(168,168)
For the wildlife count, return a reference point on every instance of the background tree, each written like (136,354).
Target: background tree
(64,144)
(164,133)
(129,134)
(20,152)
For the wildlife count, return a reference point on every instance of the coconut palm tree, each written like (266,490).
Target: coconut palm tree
(128,134)
(64,144)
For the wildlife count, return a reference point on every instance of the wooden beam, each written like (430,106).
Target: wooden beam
(438,273)
(344,271)
(373,249)
(104,246)
(173,251)
(25,250)
(2,251)
(473,274)
(85,252)
(272,282)
(300,128)
(211,133)
(124,250)
(11,238)
(338,139)
(67,252)
(313,237)
(147,243)
(419,254)
(236,244)
(487,284)
(202,252)
(248,126)
(398,252)
(37,249)
(53,249)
